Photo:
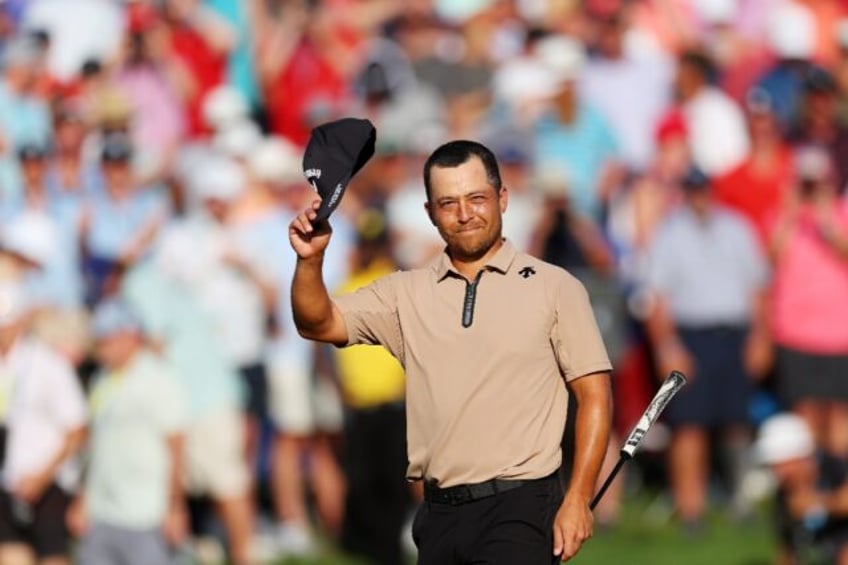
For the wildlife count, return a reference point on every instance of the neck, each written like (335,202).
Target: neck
(123,363)
(469,267)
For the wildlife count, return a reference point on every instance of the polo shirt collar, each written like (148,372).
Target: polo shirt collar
(501,261)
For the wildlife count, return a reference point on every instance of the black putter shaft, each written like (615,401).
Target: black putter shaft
(622,459)
(673,383)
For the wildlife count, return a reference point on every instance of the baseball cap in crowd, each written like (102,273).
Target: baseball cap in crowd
(819,80)
(564,57)
(14,303)
(791,30)
(336,151)
(275,161)
(238,139)
(31,237)
(21,51)
(782,438)
(32,151)
(114,316)
(117,147)
(220,178)
(671,127)
(224,106)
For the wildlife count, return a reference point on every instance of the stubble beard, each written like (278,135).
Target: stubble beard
(475,249)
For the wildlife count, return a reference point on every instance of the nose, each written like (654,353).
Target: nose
(464,212)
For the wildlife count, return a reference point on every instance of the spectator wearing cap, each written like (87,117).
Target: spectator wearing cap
(302,411)
(59,282)
(707,277)
(573,138)
(73,174)
(214,434)
(24,118)
(121,220)
(809,247)
(812,491)
(132,508)
(636,212)
(758,184)
(373,387)
(43,418)
(717,133)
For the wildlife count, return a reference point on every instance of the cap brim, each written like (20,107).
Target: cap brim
(332,200)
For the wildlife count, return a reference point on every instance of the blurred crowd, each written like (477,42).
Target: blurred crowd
(686,159)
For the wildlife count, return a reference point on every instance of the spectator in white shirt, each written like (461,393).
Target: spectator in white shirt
(42,408)
(718,135)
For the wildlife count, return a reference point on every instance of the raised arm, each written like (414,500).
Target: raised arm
(314,313)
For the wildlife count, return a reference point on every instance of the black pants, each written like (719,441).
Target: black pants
(40,526)
(510,528)
(377,492)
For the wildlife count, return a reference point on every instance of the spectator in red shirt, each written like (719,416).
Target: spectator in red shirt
(201,40)
(305,67)
(756,186)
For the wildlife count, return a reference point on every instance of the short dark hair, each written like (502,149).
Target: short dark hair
(701,62)
(455,153)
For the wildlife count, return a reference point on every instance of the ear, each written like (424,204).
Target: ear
(429,210)
(503,198)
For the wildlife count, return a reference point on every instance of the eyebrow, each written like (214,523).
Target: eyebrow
(472,194)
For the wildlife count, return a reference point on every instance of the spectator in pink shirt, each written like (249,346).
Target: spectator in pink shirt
(809,242)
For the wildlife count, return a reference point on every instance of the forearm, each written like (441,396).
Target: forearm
(176,449)
(73,442)
(660,326)
(312,306)
(592,431)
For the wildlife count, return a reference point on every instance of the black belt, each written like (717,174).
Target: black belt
(462,494)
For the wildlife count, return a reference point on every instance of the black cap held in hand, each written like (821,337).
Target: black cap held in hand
(335,152)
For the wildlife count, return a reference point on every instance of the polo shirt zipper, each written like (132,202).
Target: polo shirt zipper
(470,300)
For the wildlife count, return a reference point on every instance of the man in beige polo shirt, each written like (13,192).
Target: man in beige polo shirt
(492,341)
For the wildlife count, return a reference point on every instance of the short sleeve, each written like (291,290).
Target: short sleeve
(67,401)
(371,315)
(577,341)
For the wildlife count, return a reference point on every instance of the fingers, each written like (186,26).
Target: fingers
(571,544)
(569,538)
(558,539)
(303,223)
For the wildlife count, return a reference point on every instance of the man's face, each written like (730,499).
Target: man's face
(117,174)
(114,350)
(466,208)
(33,171)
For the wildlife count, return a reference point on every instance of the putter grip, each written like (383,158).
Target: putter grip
(673,383)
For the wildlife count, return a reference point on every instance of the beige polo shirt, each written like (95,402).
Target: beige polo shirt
(484,363)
